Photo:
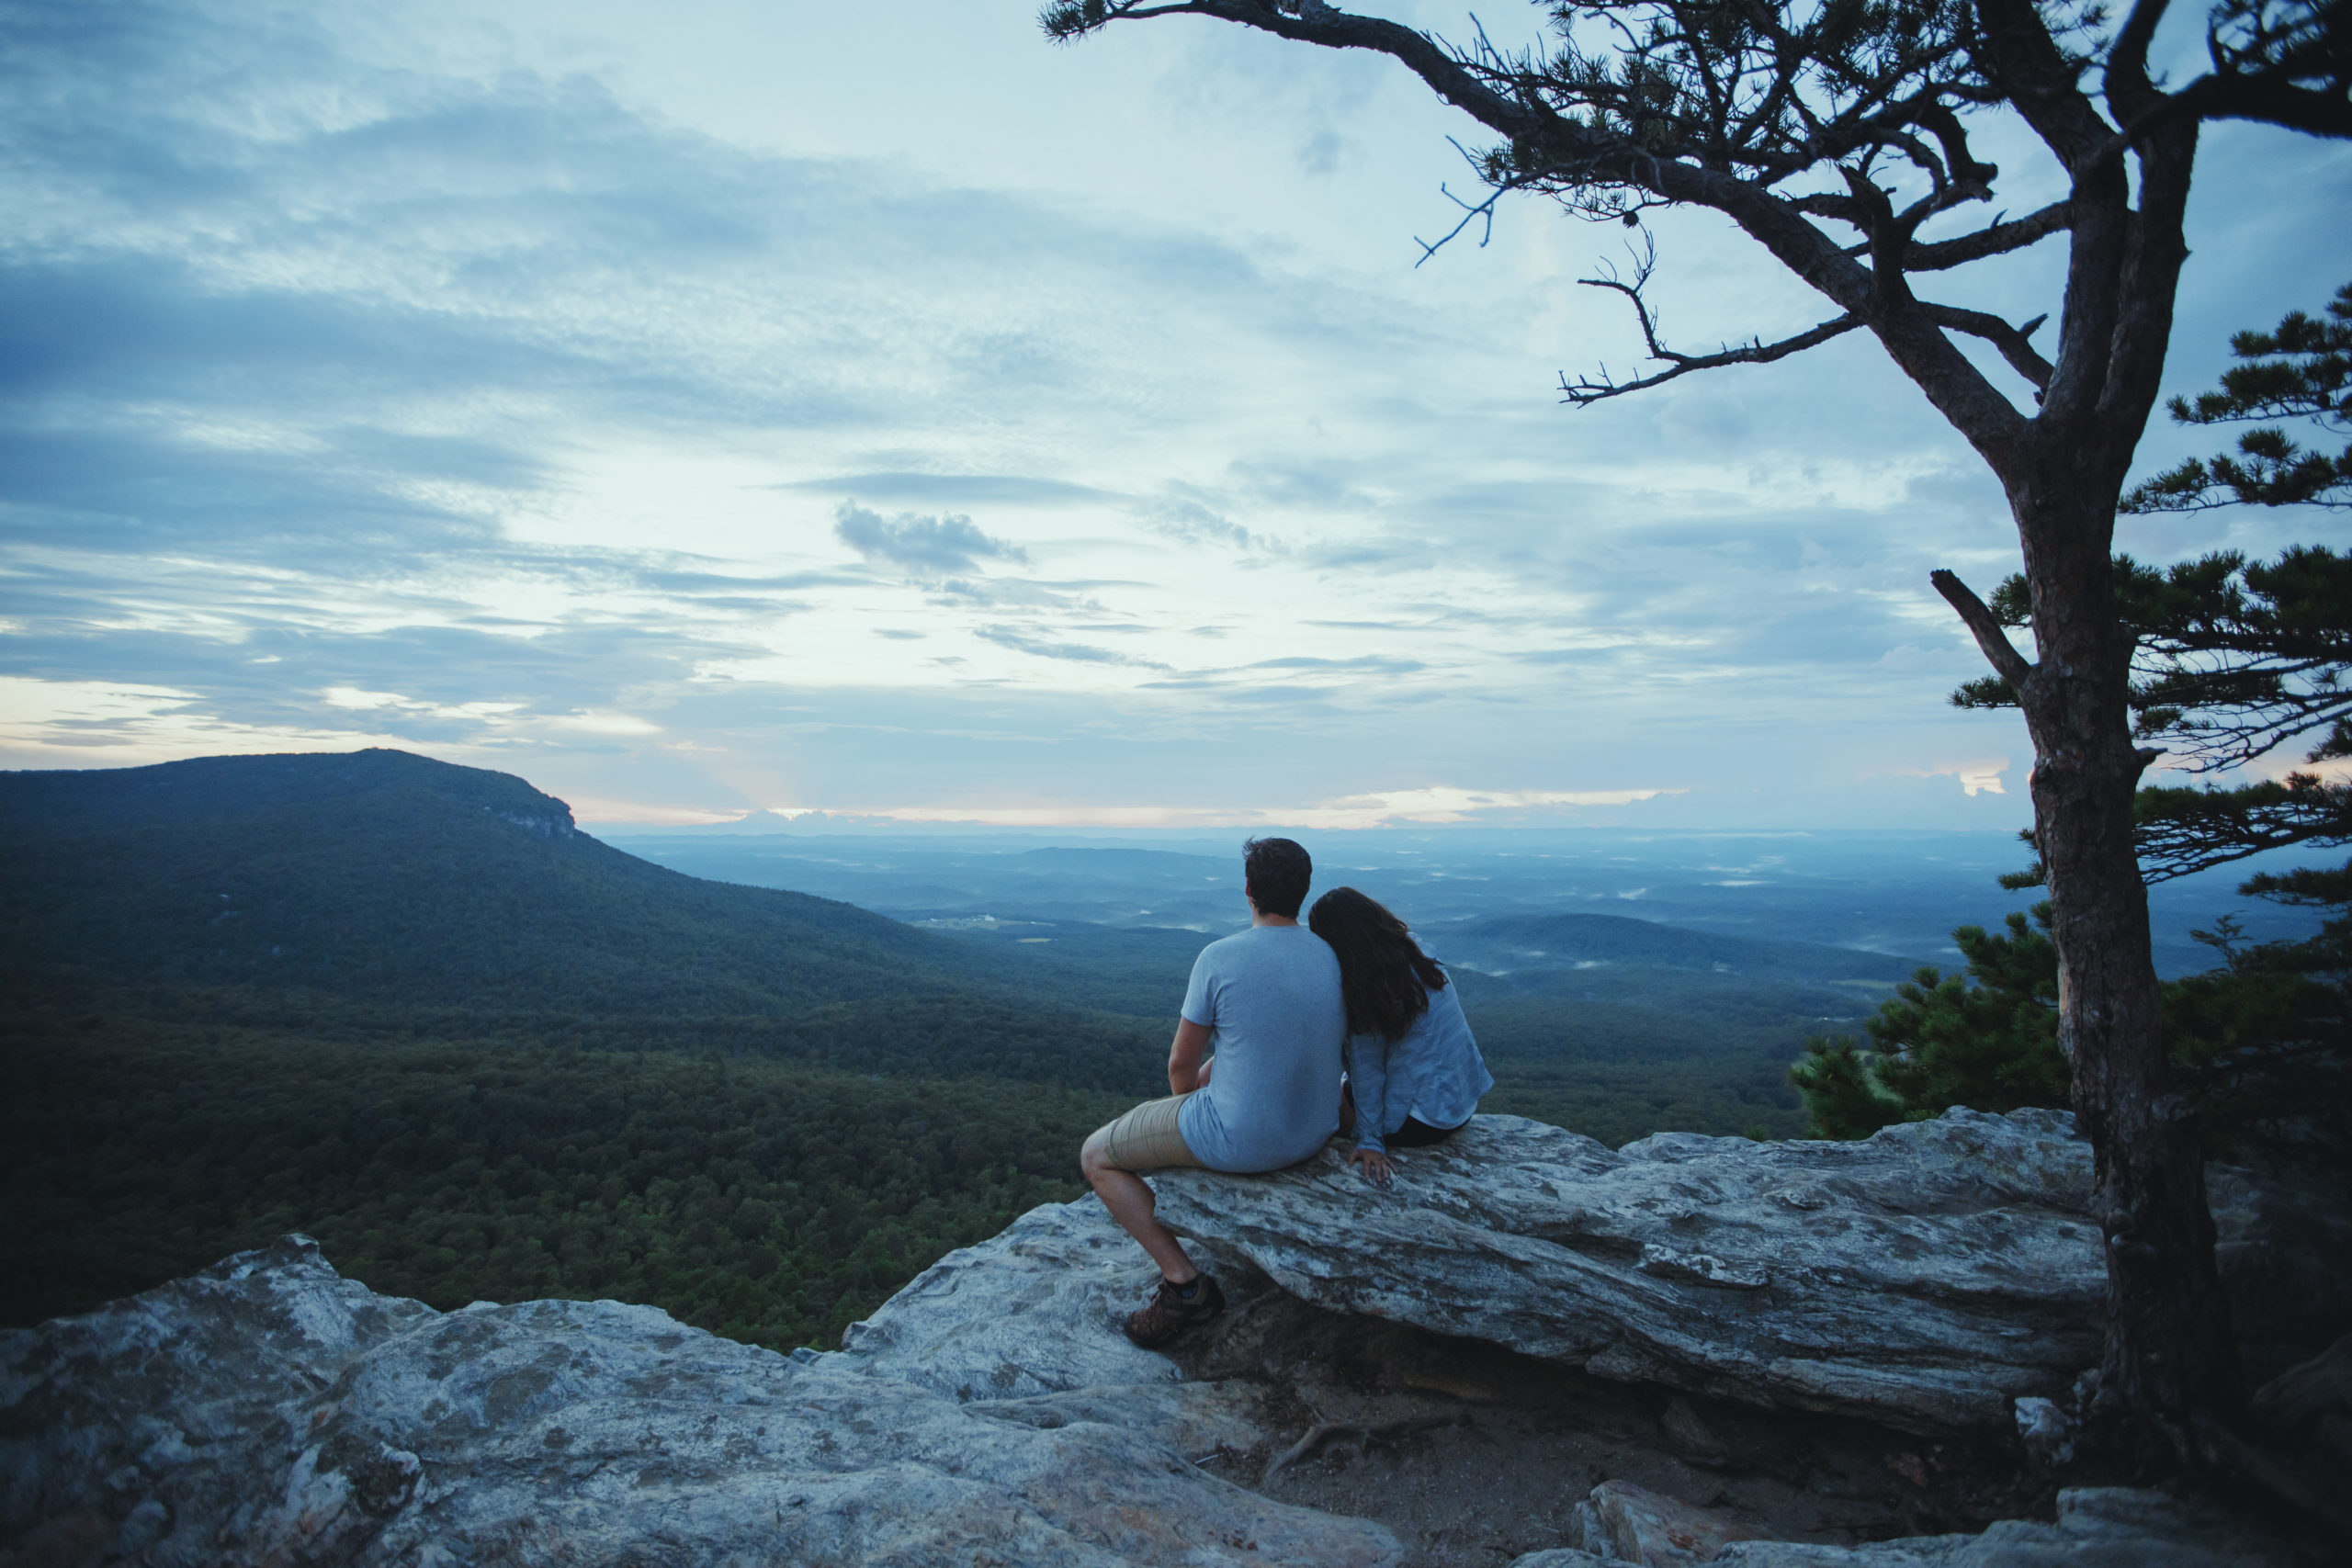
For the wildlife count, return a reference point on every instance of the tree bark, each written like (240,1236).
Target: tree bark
(2171,1356)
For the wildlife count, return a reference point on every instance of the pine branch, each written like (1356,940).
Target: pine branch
(2183,831)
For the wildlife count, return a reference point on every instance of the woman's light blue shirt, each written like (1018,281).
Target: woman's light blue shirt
(1434,1073)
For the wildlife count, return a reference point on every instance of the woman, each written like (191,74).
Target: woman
(1414,1071)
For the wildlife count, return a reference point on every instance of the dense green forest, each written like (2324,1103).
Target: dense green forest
(408,1008)
(766,1199)
(739,1172)
(1619,1054)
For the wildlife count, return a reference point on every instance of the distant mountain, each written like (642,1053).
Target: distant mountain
(391,877)
(1511,943)
(917,879)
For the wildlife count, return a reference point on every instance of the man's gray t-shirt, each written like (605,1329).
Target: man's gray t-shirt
(1272,993)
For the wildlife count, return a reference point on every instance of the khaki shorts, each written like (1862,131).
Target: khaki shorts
(1147,1137)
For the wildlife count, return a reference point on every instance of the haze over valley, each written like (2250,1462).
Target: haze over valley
(1876,891)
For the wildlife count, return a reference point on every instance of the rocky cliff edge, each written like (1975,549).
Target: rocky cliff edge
(1791,1326)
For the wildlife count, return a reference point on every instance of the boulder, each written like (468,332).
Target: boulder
(2095,1528)
(267,1411)
(1624,1523)
(1030,1311)
(2311,1403)
(1925,1278)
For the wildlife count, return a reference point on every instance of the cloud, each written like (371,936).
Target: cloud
(923,546)
(355,700)
(1010,489)
(1979,777)
(1185,514)
(1043,647)
(1446,802)
(1369,663)
(1008,593)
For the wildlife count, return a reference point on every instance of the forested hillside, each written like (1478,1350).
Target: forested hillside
(409,1008)
(765,1200)
(382,875)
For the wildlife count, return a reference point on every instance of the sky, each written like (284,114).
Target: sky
(877,409)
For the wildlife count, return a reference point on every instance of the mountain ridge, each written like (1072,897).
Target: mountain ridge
(384,874)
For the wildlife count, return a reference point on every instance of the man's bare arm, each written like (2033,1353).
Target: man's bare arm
(1185,1065)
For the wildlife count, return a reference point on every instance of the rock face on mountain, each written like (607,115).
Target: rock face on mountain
(269,1411)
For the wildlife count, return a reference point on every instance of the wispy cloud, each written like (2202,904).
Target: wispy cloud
(925,547)
(1047,647)
(1010,489)
(1185,514)
(1365,664)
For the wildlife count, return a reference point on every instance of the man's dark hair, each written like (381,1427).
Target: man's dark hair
(1275,873)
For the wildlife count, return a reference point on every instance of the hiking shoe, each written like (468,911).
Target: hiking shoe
(1169,1314)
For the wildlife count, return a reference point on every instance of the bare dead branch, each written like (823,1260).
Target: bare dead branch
(1990,637)
(2012,341)
(1996,238)
(1586,391)
(1472,211)
(1828,204)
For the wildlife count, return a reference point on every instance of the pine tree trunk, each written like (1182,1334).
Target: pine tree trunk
(2171,1356)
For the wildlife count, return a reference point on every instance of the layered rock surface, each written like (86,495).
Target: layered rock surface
(1925,1277)
(2096,1527)
(267,1410)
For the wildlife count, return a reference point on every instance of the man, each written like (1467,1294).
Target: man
(1267,999)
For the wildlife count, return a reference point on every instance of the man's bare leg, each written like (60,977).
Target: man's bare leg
(1131,1204)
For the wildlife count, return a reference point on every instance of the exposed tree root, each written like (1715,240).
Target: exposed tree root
(1326,1432)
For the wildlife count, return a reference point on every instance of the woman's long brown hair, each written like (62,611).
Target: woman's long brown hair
(1384,977)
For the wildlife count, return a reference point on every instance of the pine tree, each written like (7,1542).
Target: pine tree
(1986,1039)
(2235,659)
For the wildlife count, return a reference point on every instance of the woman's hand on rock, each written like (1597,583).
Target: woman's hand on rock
(1374,1165)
